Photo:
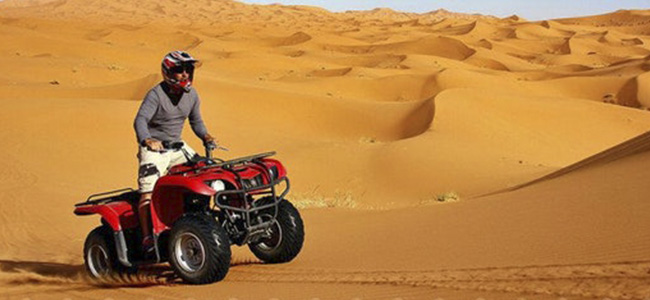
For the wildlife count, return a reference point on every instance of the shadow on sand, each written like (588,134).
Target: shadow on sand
(35,272)
(47,269)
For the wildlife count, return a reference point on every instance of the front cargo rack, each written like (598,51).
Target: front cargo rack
(229,163)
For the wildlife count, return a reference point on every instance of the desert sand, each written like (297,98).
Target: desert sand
(432,156)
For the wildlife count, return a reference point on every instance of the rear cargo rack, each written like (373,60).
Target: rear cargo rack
(93,199)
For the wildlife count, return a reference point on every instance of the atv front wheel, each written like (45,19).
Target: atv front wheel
(199,250)
(100,256)
(286,237)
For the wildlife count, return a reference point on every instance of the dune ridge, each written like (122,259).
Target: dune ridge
(634,146)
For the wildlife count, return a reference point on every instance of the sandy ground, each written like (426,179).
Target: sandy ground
(535,135)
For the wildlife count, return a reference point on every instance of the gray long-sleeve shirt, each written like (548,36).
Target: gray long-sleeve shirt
(161,118)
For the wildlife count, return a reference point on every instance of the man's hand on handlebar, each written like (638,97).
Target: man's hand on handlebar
(154,144)
(210,142)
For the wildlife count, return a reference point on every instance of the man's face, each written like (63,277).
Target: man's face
(182,73)
(182,76)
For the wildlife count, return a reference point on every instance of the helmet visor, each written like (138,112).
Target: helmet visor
(186,67)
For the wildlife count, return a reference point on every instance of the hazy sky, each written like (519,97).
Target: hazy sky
(529,9)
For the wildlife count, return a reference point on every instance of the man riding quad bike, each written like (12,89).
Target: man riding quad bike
(198,210)
(189,209)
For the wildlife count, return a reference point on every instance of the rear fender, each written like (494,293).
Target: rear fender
(118,214)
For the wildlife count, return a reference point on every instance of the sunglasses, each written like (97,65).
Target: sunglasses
(189,68)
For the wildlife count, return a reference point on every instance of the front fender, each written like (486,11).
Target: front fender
(191,184)
(167,202)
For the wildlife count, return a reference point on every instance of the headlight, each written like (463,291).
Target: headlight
(217,185)
(274,172)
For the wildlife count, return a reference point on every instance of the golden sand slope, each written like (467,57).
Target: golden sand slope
(377,114)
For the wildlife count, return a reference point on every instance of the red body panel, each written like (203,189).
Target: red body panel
(118,214)
(170,190)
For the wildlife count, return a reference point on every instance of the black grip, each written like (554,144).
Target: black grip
(169,145)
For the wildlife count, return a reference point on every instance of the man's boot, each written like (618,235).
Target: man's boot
(144,212)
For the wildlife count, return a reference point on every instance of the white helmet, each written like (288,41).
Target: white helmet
(177,62)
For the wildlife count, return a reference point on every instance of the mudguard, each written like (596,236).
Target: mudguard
(167,202)
(118,214)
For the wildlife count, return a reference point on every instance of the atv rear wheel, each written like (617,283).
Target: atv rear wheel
(100,256)
(199,250)
(287,233)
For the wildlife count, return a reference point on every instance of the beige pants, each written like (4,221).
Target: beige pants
(155,164)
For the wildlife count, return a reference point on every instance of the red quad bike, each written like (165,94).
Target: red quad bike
(198,210)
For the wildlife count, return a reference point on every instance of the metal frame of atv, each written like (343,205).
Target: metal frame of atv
(258,229)
(269,189)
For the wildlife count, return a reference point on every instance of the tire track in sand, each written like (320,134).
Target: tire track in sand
(622,280)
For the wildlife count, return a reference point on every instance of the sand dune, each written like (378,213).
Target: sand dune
(433,155)
(294,39)
(639,144)
(383,61)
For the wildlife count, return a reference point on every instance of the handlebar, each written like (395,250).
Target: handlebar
(209,147)
(173,145)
